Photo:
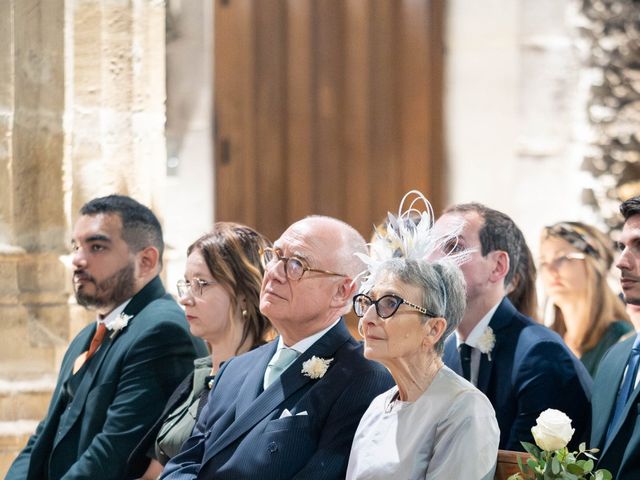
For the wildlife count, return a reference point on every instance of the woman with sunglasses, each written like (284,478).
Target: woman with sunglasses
(575,259)
(433,424)
(220,293)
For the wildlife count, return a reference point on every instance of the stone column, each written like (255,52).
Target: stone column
(82,91)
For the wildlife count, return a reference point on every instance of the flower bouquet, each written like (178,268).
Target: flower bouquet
(550,457)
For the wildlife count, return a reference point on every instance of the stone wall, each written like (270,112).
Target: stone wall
(82,91)
(609,49)
(515,109)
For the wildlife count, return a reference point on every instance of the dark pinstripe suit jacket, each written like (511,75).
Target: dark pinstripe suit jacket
(241,435)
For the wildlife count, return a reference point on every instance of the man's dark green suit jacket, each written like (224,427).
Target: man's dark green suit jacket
(118,395)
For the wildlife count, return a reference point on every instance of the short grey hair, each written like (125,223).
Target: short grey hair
(442,285)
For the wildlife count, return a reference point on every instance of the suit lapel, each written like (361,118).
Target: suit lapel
(289,382)
(498,323)
(608,391)
(451,355)
(149,292)
(484,374)
(252,387)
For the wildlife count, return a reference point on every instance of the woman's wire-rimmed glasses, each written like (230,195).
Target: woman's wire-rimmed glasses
(195,287)
(557,262)
(294,267)
(386,306)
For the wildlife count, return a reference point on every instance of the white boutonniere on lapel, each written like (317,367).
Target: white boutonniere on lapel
(487,341)
(316,367)
(119,324)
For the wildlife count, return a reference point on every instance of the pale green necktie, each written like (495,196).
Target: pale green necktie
(279,363)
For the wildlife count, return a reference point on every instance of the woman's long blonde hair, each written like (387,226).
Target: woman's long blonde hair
(604,306)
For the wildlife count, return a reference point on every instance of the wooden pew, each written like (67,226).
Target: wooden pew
(508,463)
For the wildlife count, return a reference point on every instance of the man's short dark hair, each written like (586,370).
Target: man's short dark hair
(499,232)
(140,227)
(630,207)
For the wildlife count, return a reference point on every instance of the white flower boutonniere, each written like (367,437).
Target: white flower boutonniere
(487,341)
(119,324)
(316,367)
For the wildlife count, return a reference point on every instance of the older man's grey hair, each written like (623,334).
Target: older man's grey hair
(442,285)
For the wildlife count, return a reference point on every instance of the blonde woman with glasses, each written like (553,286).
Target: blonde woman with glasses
(575,259)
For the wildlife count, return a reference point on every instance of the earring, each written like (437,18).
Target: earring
(360,328)
(245,314)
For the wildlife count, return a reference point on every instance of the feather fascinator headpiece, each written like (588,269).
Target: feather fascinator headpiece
(412,235)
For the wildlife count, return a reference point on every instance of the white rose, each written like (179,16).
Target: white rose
(552,430)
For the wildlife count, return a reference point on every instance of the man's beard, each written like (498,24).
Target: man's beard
(110,292)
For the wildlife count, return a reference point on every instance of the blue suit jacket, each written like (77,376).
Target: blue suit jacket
(241,435)
(120,392)
(621,453)
(530,370)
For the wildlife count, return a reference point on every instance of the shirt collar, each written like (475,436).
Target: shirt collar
(113,315)
(478,330)
(304,344)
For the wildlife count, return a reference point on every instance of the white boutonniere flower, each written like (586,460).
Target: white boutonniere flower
(316,367)
(119,324)
(487,341)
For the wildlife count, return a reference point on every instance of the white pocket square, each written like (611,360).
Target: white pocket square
(286,413)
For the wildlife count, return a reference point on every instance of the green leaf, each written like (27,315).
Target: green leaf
(587,454)
(532,449)
(588,466)
(582,447)
(603,475)
(570,476)
(575,469)
(555,466)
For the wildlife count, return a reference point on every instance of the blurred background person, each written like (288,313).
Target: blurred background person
(522,291)
(575,259)
(220,293)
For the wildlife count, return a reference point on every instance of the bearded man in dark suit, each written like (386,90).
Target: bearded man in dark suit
(289,409)
(616,396)
(119,371)
(521,366)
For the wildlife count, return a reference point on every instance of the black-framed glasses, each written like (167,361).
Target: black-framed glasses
(195,287)
(557,262)
(294,267)
(386,306)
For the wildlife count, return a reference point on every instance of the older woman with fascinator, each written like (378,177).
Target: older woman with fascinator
(575,259)
(220,293)
(433,424)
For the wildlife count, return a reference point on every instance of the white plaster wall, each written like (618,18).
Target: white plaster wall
(514,110)
(189,207)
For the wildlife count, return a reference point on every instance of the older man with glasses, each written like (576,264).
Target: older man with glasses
(290,409)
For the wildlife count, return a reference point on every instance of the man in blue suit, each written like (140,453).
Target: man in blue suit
(289,409)
(119,371)
(521,366)
(616,398)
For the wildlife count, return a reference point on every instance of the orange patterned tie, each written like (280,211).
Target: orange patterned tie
(96,341)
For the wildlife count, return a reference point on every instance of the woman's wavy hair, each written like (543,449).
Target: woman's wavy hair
(604,305)
(232,254)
